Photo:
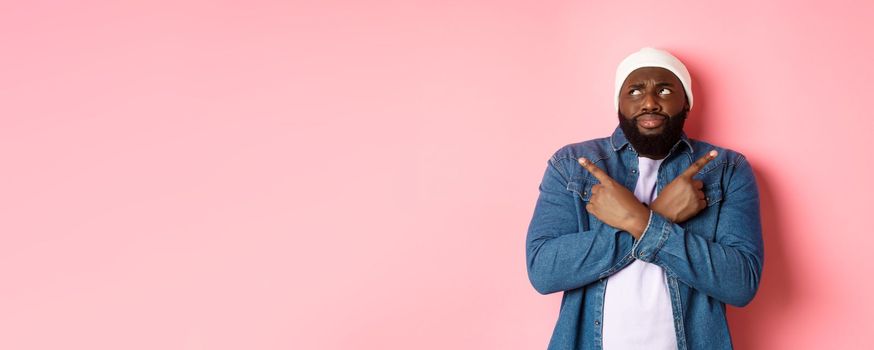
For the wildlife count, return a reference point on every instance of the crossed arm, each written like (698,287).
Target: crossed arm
(616,206)
(728,269)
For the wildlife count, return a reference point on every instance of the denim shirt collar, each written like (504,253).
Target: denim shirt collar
(618,141)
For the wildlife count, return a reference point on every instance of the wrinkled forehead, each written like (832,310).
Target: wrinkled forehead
(656,75)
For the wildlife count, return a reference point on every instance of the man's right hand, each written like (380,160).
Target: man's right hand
(614,204)
(683,198)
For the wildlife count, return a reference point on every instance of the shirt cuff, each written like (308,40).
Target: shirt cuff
(652,239)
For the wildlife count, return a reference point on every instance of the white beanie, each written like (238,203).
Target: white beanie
(650,57)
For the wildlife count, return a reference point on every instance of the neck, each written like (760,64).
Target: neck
(653,156)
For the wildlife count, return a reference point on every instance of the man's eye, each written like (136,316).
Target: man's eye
(635,92)
(665,91)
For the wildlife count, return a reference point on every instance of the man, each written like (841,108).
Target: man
(647,232)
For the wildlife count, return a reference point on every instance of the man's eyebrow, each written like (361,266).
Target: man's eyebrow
(661,83)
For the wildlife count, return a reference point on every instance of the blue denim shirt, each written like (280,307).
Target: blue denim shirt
(714,258)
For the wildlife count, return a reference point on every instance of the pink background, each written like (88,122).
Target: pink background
(360,175)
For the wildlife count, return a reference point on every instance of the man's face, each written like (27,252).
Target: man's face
(652,110)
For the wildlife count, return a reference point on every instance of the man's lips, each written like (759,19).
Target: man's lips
(650,121)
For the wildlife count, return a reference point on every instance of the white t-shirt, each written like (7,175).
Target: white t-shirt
(637,303)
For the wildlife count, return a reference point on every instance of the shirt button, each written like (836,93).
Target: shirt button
(634,171)
(597,322)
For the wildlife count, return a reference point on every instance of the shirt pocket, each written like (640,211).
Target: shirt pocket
(582,188)
(713,193)
(704,223)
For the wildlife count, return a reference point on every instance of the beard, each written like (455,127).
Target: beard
(655,146)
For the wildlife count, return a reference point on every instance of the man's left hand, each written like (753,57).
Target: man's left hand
(683,198)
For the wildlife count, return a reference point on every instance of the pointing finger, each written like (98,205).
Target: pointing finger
(699,164)
(595,170)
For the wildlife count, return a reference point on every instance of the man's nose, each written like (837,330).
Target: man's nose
(650,104)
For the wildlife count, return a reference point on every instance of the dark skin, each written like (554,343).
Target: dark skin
(652,94)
